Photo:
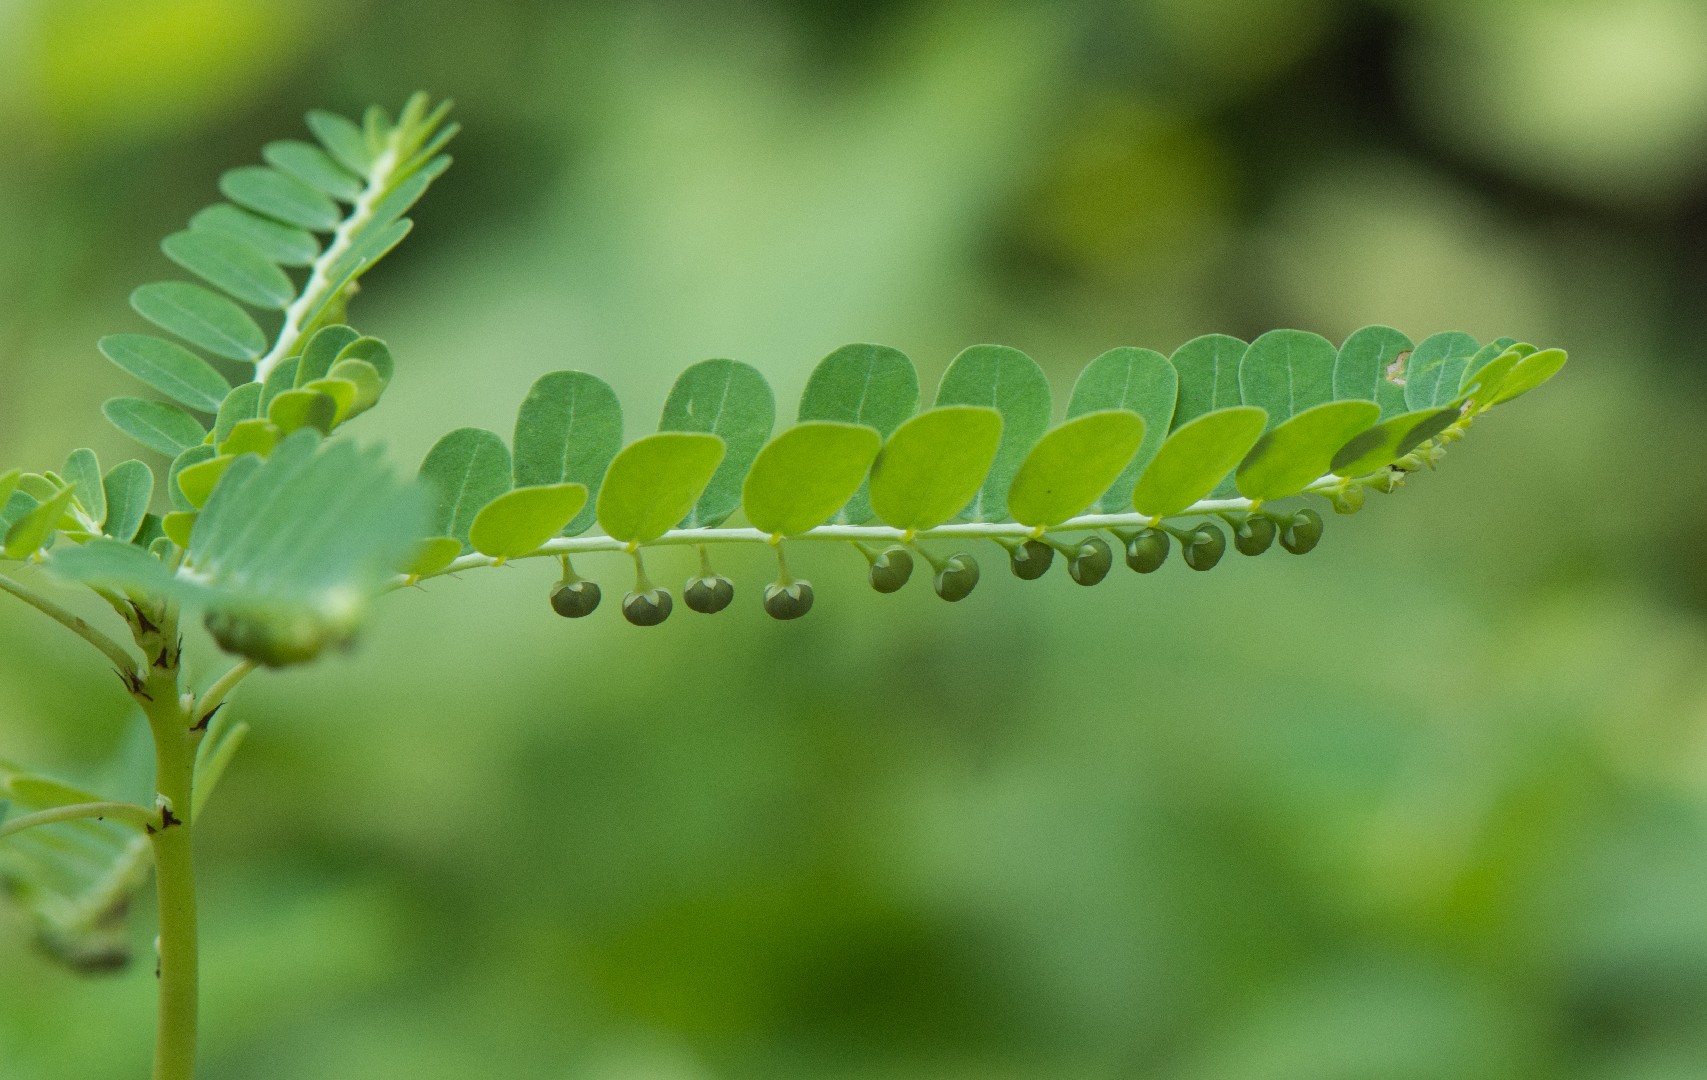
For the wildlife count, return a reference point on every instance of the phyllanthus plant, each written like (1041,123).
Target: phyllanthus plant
(259,519)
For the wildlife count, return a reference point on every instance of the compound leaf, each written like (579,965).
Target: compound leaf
(160,426)
(519,521)
(1072,465)
(1294,455)
(806,474)
(1009,381)
(568,429)
(1139,380)
(1196,458)
(463,472)
(654,481)
(733,401)
(201,317)
(1285,372)
(171,369)
(933,464)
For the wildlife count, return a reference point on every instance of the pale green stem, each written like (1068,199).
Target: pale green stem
(220,690)
(175,877)
(129,813)
(111,649)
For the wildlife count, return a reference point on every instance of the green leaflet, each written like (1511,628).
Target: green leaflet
(363,376)
(243,403)
(1490,352)
(171,369)
(314,167)
(806,474)
(281,197)
(280,379)
(9,484)
(1391,440)
(1072,465)
(277,243)
(1362,368)
(27,535)
(862,384)
(252,437)
(933,464)
(343,394)
(1142,381)
(157,425)
(653,482)
(1195,459)
(197,481)
(232,266)
(195,455)
(16,506)
(463,472)
(294,410)
(1285,372)
(180,526)
(1007,380)
(41,792)
(112,564)
(568,429)
(342,139)
(203,318)
(321,352)
(1529,372)
(1437,367)
(374,353)
(1208,368)
(733,401)
(519,521)
(1291,457)
(432,555)
(128,487)
(83,472)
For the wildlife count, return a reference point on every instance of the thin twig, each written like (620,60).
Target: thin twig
(127,813)
(112,650)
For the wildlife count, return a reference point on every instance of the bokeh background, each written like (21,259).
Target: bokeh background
(1430,803)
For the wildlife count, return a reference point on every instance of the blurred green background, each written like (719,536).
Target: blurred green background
(1431,803)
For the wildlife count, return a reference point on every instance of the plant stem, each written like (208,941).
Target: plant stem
(175,875)
(129,813)
(111,649)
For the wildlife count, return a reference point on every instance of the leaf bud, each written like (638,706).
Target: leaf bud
(788,600)
(1255,534)
(1302,532)
(890,570)
(575,599)
(1031,560)
(1090,563)
(957,578)
(1147,551)
(1349,499)
(1205,548)
(709,594)
(647,608)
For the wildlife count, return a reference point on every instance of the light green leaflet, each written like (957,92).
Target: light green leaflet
(305,408)
(1529,372)
(1208,369)
(432,555)
(1196,457)
(342,139)
(283,198)
(203,318)
(252,437)
(30,532)
(1490,352)
(373,352)
(568,429)
(232,266)
(312,166)
(806,474)
(322,351)
(463,472)
(1363,366)
(157,425)
(128,486)
(83,472)
(733,401)
(279,380)
(361,375)
(343,394)
(1391,440)
(1437,367)
(862,384)
(1285,372)
(519,521)
(1142,381)
(171,369)
(195,455)
(8,484)
(933,464)
(1007,380)
(653,482)
(277,243)
(1291,457)
(15,507)
(243,403)
(1072,465)
(197,481)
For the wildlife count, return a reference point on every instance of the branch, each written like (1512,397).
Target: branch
(112,650)
(221,689)
(127,813)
